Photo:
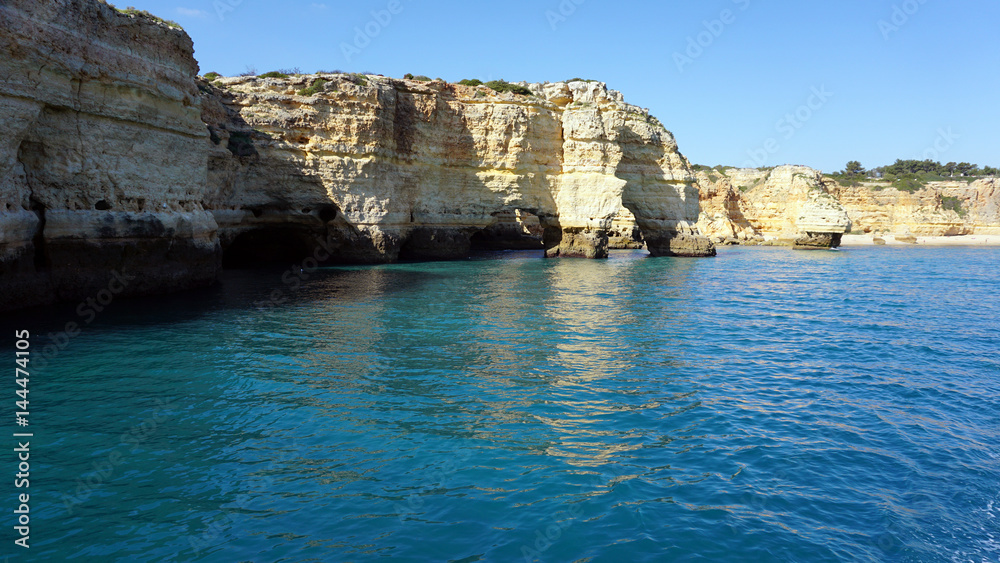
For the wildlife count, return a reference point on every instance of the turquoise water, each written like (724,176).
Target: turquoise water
(766,405)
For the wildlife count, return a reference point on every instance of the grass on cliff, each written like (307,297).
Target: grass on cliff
(909,183)
(315,88)
(950,203)
(471,82)
(715,173)
(501,86)
(133,11)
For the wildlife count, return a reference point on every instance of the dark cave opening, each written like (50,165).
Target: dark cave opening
(515,230)
(268,248)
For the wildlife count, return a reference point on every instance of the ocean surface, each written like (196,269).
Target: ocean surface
(765,405)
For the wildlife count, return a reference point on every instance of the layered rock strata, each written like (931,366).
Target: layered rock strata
(422,170)
(117,165)
(102,155)
(786,205)
(782,205)
(948,209)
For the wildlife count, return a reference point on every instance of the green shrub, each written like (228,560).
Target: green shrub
(471,82)
(909,183)
(211,76)
(132,11)
(421,78)
(315,88)
(501,86)
(581,80)
(241,144)
(408,76)
(274,74)
(950,203)
(359,79)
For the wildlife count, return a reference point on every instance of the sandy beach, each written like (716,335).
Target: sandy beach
(890,240)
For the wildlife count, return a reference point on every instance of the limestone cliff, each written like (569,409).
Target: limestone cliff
(779,206)
(102,159)
(392,169)
(117,163)
(940,209)
(786,204)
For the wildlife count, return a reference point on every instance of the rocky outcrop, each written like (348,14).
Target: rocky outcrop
(416,170)
(102,158)
(722,217)
(823,220)
(787,205)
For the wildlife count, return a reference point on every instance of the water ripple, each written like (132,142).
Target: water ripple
(766,405)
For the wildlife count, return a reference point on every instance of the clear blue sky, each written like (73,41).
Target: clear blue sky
(924,84)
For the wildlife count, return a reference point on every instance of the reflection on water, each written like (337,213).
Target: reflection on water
(766,405)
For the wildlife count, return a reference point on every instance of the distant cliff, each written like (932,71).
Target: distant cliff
(750,206)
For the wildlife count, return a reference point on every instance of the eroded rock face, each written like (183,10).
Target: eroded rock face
(117,164)
(102,159)
(420,169)
(789,205)
(779,206)
(973,208)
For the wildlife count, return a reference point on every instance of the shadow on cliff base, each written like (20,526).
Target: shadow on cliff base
(267,248)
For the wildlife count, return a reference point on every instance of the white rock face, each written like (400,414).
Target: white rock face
(748,206)
(113,158)
(823,214)
(415,169)
(102,160)
(784,203)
